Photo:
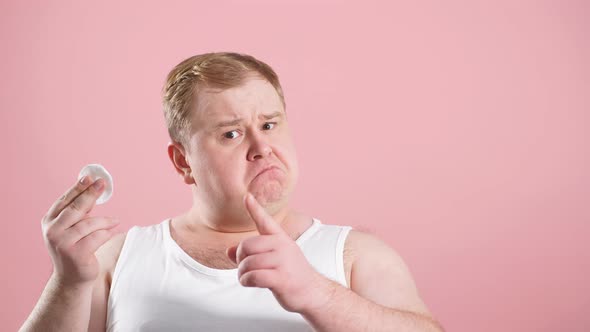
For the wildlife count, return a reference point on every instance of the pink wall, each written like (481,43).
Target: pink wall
(455,130)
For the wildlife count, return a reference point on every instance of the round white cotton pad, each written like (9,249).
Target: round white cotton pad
(96,171)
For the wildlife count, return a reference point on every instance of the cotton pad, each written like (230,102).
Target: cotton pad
(96,171)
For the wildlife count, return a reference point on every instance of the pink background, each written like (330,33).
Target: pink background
(457,131)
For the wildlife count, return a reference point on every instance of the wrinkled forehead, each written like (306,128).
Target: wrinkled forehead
(254,97)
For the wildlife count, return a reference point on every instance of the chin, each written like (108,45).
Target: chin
(272,196)
(270,193)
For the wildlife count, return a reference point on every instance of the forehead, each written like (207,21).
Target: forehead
(255,96)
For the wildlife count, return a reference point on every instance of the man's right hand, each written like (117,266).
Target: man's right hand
(72,238)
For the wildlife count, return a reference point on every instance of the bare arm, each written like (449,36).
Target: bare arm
(383,295)
(72,238)
(347,311)
(60,308)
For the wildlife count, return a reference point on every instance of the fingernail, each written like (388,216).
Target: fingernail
(97,184)
(84,180)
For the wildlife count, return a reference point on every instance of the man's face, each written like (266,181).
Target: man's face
(235,134)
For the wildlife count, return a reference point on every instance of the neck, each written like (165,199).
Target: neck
(225,229)
(229,222)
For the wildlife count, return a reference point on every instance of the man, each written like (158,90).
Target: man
(240,259)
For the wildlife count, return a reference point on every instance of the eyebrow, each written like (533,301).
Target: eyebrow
(239,120)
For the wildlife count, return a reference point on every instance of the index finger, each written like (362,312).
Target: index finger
(264,222)
(68,197)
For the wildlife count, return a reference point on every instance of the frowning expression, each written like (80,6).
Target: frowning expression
(240,142)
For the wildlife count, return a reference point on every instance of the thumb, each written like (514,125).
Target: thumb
(231,253)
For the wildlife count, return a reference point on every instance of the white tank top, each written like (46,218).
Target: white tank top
(157,286)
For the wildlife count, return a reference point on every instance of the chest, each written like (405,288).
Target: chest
(212,254)
(211,257)
(216,258)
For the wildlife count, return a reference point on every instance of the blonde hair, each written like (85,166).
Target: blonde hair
(218,70)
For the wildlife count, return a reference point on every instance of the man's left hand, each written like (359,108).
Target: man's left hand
(273,260)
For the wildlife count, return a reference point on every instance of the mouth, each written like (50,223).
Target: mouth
(270,168)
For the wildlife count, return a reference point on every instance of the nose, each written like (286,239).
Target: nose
(259,149)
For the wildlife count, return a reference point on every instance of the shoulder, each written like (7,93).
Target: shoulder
(370,253)
(109,252)
(107,256)
(379,273)
(362,246)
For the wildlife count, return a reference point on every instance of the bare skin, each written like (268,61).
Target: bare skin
(73,240)
(200,247)
(239,143)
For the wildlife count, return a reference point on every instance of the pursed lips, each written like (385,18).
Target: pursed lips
(266,169)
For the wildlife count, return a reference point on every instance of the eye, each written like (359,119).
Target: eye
(228,134)
(270,123)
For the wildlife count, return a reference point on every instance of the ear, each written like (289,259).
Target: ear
(178,157)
